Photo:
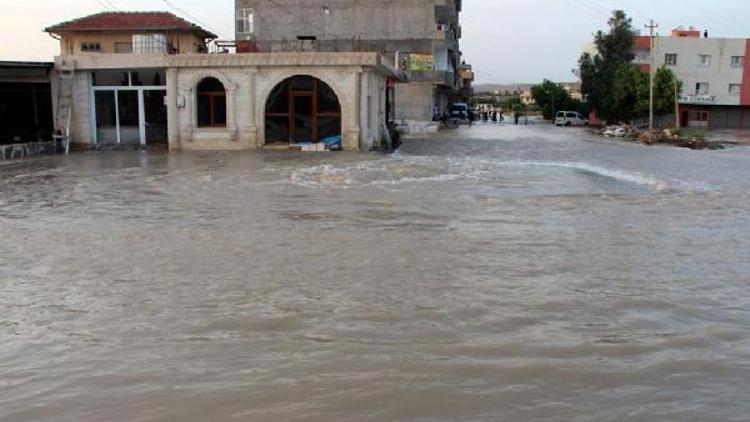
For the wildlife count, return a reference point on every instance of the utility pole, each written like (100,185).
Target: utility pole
(652,72)
(676,103)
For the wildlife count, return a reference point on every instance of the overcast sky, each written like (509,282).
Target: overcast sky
(507,40)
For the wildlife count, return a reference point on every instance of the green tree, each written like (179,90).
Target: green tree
(616,46)
(598,73)
(550,97)
(629,96)
(664,91)
(616,88)
(515,104)
(587,72)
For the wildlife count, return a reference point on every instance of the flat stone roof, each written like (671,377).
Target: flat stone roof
(322,59)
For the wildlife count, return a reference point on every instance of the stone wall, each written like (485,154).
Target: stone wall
(247,92)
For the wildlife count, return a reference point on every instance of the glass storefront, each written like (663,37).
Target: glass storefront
(129,107)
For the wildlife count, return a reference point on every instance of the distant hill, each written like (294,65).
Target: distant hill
(519,87)
(485,88)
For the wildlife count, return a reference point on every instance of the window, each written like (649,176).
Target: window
(111,78)
(698,116)
(91,47)
(212,103)
(141,77)
(150,44)
(701,88)
(738,62)
(704,60)
(670,59)
(735,89)
(123,47)
(245,21)
(148,77)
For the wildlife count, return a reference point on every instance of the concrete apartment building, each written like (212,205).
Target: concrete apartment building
(146,78)
(715,78)
(422,37)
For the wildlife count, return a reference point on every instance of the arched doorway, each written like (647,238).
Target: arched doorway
(303,109)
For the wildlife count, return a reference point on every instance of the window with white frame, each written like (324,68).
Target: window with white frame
(704,60)
(150,43)
(735,89)
(738,62)
(670,59)
(245,21)
(701,88)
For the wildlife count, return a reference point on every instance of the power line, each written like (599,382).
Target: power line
(589,8)
(112,4)
(494,78)
(192,18)
(597,7)
(106,6)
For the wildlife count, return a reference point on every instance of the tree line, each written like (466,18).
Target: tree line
(612,85)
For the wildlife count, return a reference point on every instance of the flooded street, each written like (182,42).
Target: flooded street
(496,273)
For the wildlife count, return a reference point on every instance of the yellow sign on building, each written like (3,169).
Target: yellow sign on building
(421,62)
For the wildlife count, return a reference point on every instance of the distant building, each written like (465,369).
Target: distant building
(715,78)
(422,37)
(573,89)
(527,98)
(146,78)
(466,78)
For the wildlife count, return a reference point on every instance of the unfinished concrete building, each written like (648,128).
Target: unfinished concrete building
(421,35)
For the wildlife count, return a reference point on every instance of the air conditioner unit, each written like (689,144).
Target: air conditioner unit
(442,27)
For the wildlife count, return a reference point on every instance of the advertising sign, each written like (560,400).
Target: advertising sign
(421,62)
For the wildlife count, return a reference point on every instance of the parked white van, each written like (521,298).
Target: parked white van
(570,118)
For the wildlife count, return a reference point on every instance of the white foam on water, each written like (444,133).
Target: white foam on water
(660,185)
(407,169)
(624,176)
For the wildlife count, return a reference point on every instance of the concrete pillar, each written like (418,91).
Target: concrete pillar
(192,119)
(364,110)
(251,127)
(173,115)
(232,110)
(353,130)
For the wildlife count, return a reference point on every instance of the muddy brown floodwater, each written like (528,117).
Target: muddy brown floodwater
(497,273)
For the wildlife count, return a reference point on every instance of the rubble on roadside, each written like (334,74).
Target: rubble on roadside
(666,137)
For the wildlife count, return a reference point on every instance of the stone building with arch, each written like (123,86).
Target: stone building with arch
(200,101)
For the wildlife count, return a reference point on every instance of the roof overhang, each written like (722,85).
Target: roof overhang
(371,60)
(25,71)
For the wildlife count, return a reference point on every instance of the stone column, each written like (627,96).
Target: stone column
(232,110)
(251,126)
(190,111)
(173,114)
(353,134)
(364,110)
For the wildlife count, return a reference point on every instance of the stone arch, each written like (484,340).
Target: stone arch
(196,78)
(230,88)
(337,86)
